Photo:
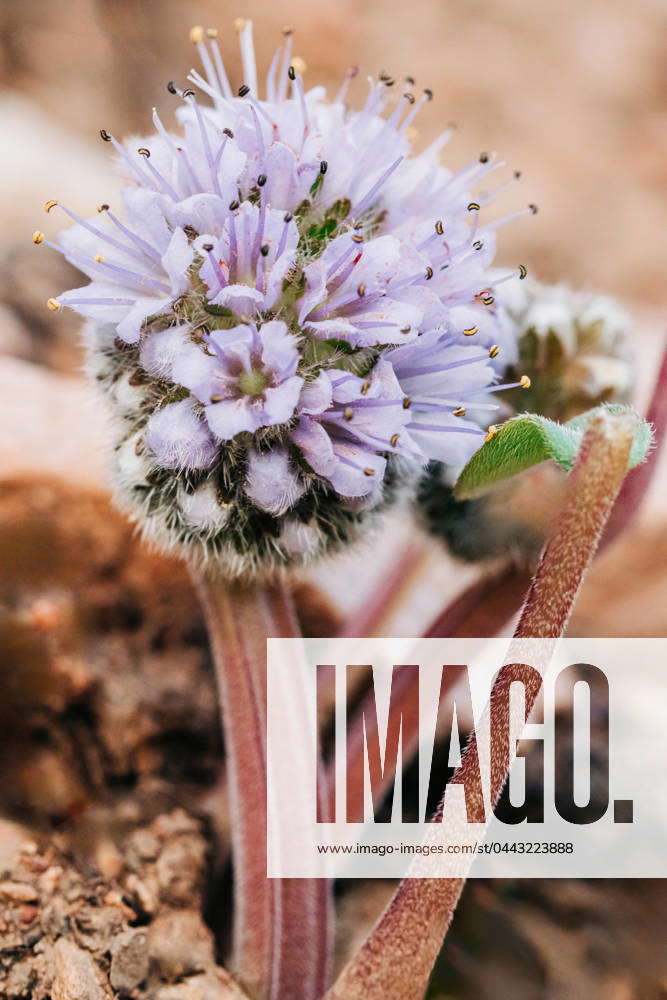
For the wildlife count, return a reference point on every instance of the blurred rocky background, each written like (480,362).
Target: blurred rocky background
(114,877)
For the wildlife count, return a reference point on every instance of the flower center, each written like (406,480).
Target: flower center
(253,382)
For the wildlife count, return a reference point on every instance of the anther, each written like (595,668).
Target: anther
(369,472)
(522,271)
(525,382)
(291,72)
(261,180)
(517,175)
(473,206)
(429,273)
(207,247)
(410,98)
(428,93)
(299,65)
(478,245)
(233,205)
(99,258)
(243,90)
(38,237)
(142,151)
(365,386)
(407,402)
(483,157)
(393,440)
(488,300)
(287,217)
(411,80)
(439,228)
(406,329)
(239,23)
(287,30)
(361,290)
(470,332)
(106,136)
(356,238)
(171,87)
(54,305)
(228,132)
(48,205)
(189,92)
(348,413)
(216,399)
(264,250)
(102,208)
(534,209)
(494,351)
(197,34)
(211,33)
(491,433)
(324,166)
(460,411)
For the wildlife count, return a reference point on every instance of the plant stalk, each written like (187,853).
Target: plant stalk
(397,958)
(281,934)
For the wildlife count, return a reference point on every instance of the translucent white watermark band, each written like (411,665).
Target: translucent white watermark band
(586,796)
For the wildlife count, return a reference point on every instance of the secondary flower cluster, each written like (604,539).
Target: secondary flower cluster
(289,313)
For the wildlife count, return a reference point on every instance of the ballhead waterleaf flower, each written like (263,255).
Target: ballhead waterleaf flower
(290,313)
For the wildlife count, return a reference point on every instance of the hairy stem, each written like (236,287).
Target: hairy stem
(639,479)
(482,609)
(397,958)
(281,926)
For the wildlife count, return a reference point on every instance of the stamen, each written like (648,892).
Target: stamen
(494,351)
(220,69)
(287,218)
(341,96)
(53,305)
(207,148)
(446,429)
(368,198)
(530,210)
(491,433)
(105,237)
(197,36)
(142,177)
(283,76)
(177,152)
(249,64)
(215,264)
(164,184)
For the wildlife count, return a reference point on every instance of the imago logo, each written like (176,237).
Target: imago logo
(372,757)
(388,757)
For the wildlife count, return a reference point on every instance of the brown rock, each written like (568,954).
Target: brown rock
(76,977)
(180,944)
(129,960)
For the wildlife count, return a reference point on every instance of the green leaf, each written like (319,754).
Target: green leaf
(529,439)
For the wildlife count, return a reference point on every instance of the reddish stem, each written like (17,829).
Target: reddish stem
(281,926)
(397,957)
(374,612)
(639,479)
(480,610)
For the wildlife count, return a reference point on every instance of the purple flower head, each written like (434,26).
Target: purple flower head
(290,312)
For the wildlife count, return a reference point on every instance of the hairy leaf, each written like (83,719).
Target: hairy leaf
(528,439)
